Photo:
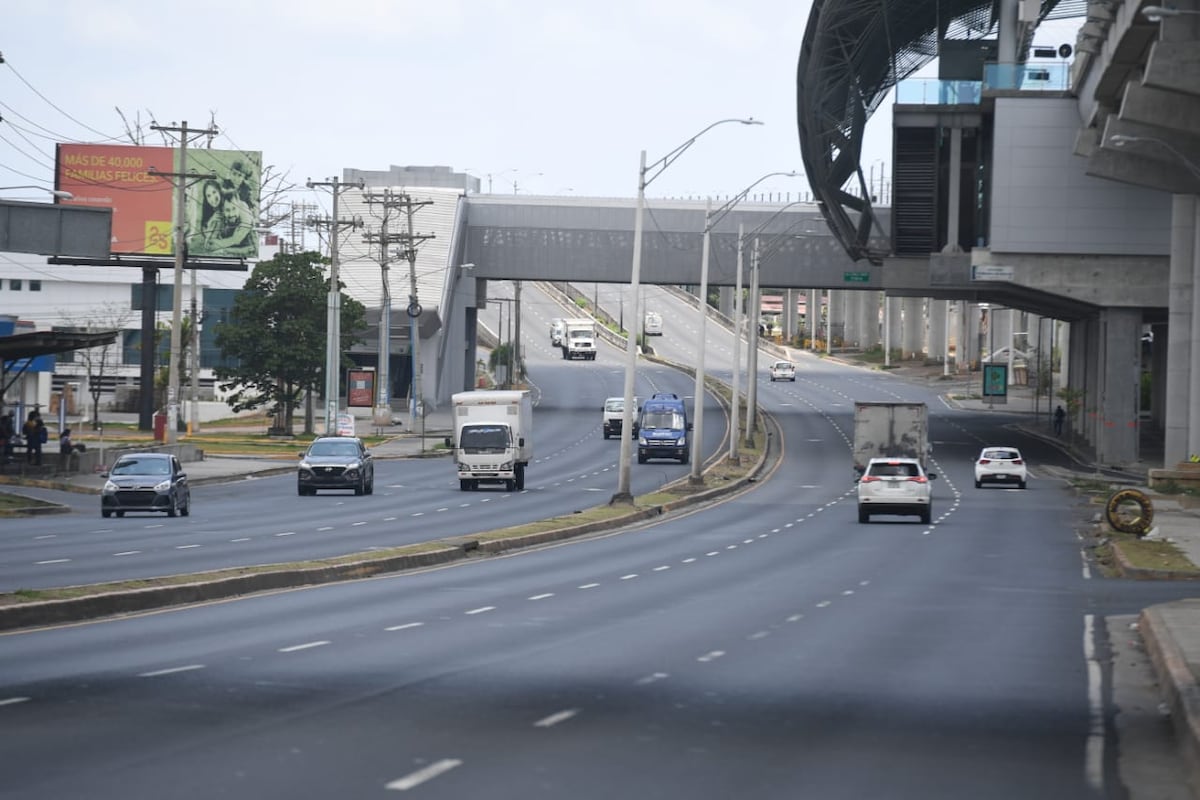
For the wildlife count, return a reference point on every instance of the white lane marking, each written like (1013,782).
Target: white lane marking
(542,596)
(480,610)
(405,626)
(864,583)
(12,701)
(747,541)
(389,519)
(128,553)
(652,678)
(286,533)
(415,779)
(325,528)
(588,586)
(731,547)
(713,656)
(417,514)
(1094,760)
(45,536)
(824,604)
(54,561)
(660,569)
(188,546)
(759,635)
(443,508)
(242,539)
(795,618)
(712,553)
(305,646)
(554,719)
(848,592)
(629,577)
(1087,570)
(170,671)
(356,524)
(688,560)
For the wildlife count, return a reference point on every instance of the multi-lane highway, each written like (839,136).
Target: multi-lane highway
(765,647)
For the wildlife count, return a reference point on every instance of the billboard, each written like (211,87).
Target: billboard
(136,183)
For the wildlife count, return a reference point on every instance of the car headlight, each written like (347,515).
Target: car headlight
(305,465)
(642,441)
(109,488)
(163,486)
(682,441)
(506,466)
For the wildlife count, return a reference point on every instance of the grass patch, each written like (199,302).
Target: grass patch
(12,502)
(1154,554)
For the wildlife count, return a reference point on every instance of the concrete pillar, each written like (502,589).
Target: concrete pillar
(853,319)
(1118,381)
(913,327)
(812,315)
(1085,360)
(725,300)
(789,316)
(869,304)
(937,330)
(894,324)
(1181,354)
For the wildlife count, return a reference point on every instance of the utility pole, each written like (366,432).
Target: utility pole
(180,255)
(383,397)
(333,344)
(416,404)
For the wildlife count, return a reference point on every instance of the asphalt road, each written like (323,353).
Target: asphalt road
(767,646)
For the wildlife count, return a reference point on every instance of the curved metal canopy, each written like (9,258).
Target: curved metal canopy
(854,52)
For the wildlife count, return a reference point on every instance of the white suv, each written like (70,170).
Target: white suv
(1000,465)
(895,486)
(783,371)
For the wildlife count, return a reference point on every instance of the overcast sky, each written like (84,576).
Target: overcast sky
(540,96)
(557,96)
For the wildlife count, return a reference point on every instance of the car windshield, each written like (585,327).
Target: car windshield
(662,419)
(484,437)
(614,405)
(903,469)
(1001,455)
(783,365)
(141,466)
(348,449)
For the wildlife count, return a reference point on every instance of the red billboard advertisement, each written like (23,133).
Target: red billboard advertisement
(360,392)
(139,184)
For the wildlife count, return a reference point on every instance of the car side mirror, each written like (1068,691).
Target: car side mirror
(521,442)
(448,443)
(300,454)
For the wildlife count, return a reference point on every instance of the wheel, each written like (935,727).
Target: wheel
(927,515)
(863,515)
(978,484)
(361,489)
(686,457)
(520,477)
(641,459)
(186,509)
(510,486)
(464,485)
(173,510)
(300,491)
(105,513)
(606,433)
(1021,485)
(371,484)
(120,513)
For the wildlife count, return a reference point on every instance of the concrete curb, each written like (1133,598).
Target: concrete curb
(1179,687)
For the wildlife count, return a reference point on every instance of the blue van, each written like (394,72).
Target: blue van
(662,429)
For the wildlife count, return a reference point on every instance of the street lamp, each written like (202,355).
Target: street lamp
(711,219)
(646,175)
(1156,13)
(1121,139)
(58,193)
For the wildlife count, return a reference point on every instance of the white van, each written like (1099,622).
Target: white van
(653,324)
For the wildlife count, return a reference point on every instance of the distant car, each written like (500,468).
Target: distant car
(336,462)
(145,482)
(614,416)
(653,325)
(1000,465)
(783,371)
(558,327)
(895,486)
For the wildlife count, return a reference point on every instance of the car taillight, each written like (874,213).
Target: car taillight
(984,461)
(919,479)
(870,478)
(1017,461)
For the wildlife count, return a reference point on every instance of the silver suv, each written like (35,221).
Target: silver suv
(895,486)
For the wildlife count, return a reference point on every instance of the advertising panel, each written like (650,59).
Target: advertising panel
(361,388)
(221,206)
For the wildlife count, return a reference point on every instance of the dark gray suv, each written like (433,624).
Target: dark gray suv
(336,462)
(145,482)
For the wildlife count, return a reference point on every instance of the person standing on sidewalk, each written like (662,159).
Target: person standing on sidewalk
(1059,416)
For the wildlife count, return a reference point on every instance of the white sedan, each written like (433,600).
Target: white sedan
(783,371)
(1000,465)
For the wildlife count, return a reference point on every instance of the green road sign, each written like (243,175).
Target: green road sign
(856,277)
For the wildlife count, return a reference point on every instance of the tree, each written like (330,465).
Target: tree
(98,362)
(276,333)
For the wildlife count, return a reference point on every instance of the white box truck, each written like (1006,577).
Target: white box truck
(493,437)
(579,339)
(890,429)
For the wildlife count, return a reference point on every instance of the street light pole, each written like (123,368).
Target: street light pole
(623,494)
(710,220)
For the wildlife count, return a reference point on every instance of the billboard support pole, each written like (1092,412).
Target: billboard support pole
(180,256)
